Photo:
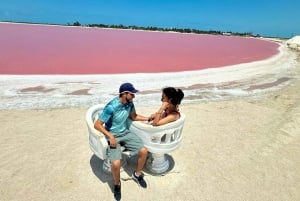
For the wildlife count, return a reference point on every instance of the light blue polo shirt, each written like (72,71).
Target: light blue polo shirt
(115,115)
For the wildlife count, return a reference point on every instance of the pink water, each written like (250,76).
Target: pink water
(38,49)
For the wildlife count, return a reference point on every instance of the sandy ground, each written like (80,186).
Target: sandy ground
(232,150)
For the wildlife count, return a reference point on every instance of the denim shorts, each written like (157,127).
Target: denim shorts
(129,140)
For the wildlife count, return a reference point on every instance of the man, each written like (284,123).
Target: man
(112,123)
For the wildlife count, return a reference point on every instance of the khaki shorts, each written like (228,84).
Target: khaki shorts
(130,141)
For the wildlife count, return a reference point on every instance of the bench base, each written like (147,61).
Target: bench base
(157,163)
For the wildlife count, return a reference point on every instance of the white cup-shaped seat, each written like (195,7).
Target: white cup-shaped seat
(97,141)
(159,139)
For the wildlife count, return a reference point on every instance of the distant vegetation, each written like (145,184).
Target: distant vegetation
(186,30)
(179,30)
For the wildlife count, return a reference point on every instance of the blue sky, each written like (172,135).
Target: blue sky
(277,18)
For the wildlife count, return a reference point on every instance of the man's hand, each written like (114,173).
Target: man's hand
(112,142)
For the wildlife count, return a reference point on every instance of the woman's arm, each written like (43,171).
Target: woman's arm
(158,121)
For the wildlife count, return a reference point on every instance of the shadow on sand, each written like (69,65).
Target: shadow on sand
(97,164)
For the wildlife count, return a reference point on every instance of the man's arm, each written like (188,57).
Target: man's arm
(137,117)
(99,126)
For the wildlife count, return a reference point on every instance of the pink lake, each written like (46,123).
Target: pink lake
(44,49)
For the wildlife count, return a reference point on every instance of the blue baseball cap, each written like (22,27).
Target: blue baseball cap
(127,87)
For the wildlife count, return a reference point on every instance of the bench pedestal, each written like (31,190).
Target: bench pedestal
(157,163)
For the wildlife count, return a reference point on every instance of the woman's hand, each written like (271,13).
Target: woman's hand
(164,105)
(152,116)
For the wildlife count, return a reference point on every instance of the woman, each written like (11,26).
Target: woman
(169,109)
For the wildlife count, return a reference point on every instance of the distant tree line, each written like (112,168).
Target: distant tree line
(185,30)
(179,30)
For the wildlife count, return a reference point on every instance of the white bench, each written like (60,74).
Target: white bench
(159,140)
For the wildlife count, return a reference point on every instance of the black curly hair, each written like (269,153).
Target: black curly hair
(174,95)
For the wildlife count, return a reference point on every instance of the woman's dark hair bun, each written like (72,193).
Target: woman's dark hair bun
(175,95)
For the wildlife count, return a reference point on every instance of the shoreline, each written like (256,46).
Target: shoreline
(248,80)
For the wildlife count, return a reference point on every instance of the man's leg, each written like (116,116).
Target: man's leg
(138,175)
(115,156)
(142,156)
(115,171)
(135,144)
